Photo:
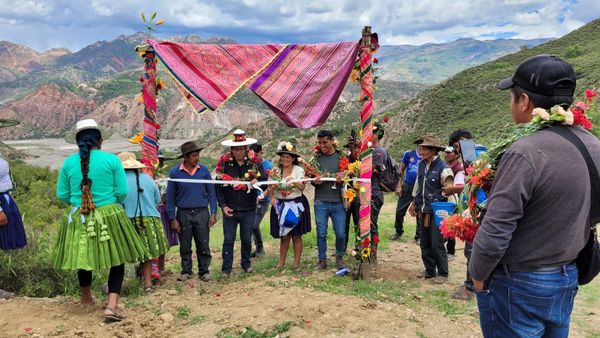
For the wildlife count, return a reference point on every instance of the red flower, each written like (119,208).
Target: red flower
(366,242)
(268,172)
(590,94)
(226,177)
(386,119)
(375,60)
(344,162)
(376,239)
(579,118)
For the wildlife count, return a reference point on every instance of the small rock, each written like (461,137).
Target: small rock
(167,318)
(171,292)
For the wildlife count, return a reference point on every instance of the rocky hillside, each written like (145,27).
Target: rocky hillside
(470,99)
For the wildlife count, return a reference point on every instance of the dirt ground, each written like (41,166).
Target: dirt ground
(298,304)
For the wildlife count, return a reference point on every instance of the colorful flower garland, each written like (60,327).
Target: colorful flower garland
(481,174)
(228,160)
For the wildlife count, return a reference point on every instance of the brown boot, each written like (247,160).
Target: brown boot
(339,262)
(322,265)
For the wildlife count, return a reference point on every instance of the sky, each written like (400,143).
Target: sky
(74,24)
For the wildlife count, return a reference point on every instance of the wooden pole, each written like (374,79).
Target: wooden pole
(150,141)
(366,166)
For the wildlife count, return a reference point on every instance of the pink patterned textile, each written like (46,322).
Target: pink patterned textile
(212,73)
(303,83)
(300,83)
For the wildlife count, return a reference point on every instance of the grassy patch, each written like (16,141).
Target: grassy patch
(183,312)
(441,300)
(250,332)
(372,290)
(198,319)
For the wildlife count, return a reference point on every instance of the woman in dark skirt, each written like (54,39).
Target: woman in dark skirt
(288,197)
(12,232)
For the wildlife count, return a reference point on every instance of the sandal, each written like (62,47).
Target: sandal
(112,314)
(149,289)
(5,294)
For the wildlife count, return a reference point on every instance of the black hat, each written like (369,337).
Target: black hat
(543,74)
(188,147)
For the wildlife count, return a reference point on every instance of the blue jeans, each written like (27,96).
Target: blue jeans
(246,221)
(337,213)
(532,304)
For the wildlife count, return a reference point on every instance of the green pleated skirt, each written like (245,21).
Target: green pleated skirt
(152,234)
(99,240)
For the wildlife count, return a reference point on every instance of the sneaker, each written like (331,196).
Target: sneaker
(395,236)
(462,293)
(425,275)
(205,277)
(450,257)
(339,262)
(248,270)
(321,265)
(225,275)
(440,280)
(184,277)
(259,252)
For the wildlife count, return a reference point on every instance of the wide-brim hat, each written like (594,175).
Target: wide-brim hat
(239,139)
(129,162)
(286,148)
(85,125)
(188,147)
(429,140)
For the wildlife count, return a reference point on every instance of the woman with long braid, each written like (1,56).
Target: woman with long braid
(95,232)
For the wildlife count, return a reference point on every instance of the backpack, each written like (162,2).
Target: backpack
(390,176)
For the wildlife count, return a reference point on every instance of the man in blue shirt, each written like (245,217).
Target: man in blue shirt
(408,167)
(263,205)
(187,208)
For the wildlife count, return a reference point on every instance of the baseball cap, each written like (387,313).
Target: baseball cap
(543,74)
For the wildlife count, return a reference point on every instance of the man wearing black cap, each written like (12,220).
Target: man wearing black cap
(187,208)
(536,223)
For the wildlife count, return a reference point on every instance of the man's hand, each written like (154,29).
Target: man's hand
(399,190)
(478,284)
(3,219)
(227,211)
(175,226)
(212,220)
(412,209)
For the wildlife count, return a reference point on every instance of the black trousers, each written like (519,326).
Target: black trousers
(433,251)
(115,278)
(354,213)
(376,204)
(401,209)
(194,225)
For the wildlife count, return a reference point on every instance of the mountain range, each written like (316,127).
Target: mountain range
(49,91)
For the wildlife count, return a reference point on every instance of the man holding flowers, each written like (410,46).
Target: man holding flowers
(537,218)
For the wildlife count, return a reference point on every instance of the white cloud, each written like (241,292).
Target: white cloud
(54,23)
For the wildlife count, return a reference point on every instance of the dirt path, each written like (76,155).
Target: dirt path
(306,304)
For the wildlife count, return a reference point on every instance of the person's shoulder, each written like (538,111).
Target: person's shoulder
(174,170)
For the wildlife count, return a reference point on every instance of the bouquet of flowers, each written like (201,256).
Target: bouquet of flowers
(228,160)
(283,188)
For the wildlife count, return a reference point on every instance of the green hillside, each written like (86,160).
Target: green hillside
(470,100)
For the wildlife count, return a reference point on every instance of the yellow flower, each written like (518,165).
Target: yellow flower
(257,174)
(349,195)
(362,189)
(246,175)
(288,146)
(360,133)
(366,252)
(356,186)
(160,22)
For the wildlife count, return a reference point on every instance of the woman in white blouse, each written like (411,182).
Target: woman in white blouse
(290,211)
